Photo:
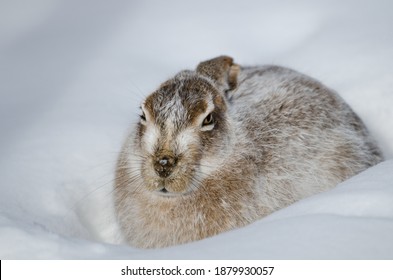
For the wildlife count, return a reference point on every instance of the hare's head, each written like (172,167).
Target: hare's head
(184,127)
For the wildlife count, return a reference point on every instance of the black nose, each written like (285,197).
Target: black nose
(164,165)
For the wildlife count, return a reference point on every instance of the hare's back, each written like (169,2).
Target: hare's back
(298,129)
(281,98)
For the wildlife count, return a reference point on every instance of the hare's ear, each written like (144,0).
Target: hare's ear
(221,70)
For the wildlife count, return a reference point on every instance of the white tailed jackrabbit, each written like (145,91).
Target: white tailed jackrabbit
(222,146)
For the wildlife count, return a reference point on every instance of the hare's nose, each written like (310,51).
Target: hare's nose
(163,161)
(164,165)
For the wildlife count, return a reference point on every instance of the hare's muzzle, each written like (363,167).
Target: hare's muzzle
(164,165)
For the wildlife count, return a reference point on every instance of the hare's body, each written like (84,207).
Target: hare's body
(219,148)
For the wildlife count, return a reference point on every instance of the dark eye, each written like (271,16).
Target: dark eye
(142,116)
(208,120)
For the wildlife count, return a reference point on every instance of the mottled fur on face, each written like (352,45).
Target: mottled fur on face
(172,129)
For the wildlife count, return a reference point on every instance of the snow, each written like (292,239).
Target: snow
(72,74)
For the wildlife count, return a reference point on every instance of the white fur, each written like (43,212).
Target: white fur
(151,137)
(174,110)
(208,165)
(184,139)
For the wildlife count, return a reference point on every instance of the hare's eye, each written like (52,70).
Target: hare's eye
(209,120)
(142,117)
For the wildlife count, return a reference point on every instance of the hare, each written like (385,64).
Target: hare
(223,146)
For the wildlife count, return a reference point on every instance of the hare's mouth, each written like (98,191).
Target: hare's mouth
(178,183)
(164,190)
(167,193)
